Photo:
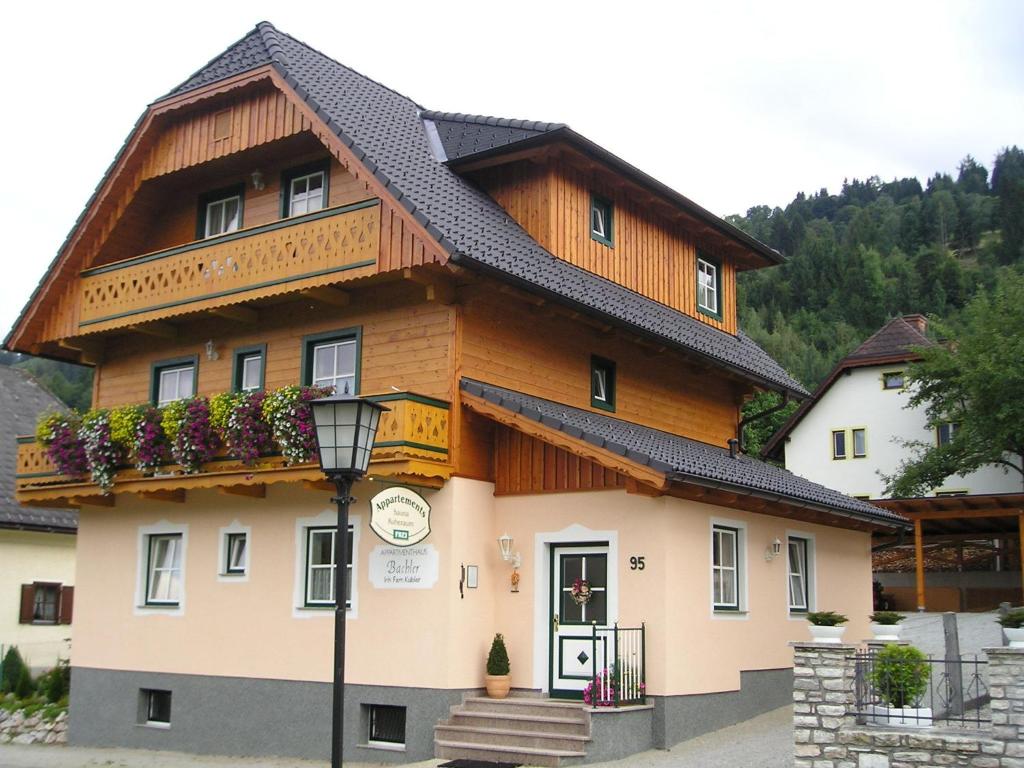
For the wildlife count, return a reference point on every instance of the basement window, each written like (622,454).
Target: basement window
(387,726)
(156,707)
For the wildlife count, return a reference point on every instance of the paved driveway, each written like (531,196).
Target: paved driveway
(764,742)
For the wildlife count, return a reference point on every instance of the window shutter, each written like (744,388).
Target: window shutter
(67,603)
(28,604)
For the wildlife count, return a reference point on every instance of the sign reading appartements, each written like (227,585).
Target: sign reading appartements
(400,517)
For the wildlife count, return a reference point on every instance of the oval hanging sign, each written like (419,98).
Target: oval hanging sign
(400,517)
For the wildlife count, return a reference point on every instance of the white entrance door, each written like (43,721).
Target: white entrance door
(574,653)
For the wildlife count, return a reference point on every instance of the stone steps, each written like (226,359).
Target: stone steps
(520,729)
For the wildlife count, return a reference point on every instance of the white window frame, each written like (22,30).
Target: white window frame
(600,218)
(221,203)
(234,577)
(902,377)
(246,359)
(305,197)
(599,384)
(336,345)
(739,528)
(951,428)
(177,370)
(326,519)
(811,577)
(142,606)
(709,270)
(835,454)
(853,442)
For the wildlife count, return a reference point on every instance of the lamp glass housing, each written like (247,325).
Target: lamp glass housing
(345,430)
(505,546)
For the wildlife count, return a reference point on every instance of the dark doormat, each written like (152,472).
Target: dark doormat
(477,764)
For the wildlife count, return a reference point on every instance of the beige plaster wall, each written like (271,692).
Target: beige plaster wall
(25,557)
(437,638)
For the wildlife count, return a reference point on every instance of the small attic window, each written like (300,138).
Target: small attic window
(601,220)
(222,125)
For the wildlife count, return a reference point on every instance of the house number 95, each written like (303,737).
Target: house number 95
(636,563)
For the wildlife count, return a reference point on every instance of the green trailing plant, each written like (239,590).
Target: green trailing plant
(172,419)
(900,675)
(826,618)
(287,412)
(887,618)
(124,426)
(10,670)
(497,659)
(1013,619)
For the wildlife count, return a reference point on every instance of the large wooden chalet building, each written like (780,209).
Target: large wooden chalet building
(555,335)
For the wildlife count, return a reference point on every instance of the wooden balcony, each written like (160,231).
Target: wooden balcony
(293,254)
(412,447)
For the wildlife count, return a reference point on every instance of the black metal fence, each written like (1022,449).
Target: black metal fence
(901,690)
(623,679)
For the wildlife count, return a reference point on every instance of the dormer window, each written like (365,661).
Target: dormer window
(601,220)
(602,383)
(893,380)
(709,287)
(305,190)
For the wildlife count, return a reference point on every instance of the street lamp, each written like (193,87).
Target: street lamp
(345,430)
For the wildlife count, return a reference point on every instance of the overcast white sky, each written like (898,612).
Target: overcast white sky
(733,104)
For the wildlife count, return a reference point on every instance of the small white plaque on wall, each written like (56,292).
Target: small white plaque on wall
(404,567)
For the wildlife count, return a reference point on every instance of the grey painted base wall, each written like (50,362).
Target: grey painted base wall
(243,716)
(678,718)
(248,717)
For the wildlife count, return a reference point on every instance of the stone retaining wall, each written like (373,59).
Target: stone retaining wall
(827,735)
(17,729)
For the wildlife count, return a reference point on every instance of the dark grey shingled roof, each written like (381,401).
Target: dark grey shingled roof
(462,135)
(679,457)
(21,400)
(387,132)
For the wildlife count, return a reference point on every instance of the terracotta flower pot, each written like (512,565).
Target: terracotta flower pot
(497,685)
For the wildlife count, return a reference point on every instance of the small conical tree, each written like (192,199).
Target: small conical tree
(10,670)
(497,659)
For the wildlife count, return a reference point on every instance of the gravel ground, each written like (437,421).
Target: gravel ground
(763,742)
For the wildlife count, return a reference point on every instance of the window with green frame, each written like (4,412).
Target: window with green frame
(332,359)
(321,560)
(173,379)
(601,219)
(220,211)
(248,370)
(709,286)
(305,189)
(602,383)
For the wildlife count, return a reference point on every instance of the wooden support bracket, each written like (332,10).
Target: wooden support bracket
(257,491)
(437,288)
(238,314)
(160,330)
(90,351)
(93,501)
(177,496)
(319,485)
(335,297)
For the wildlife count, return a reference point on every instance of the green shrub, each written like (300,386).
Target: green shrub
(54,684)
(886,617)
(900,675)
(1013,619)
(497,659)
(10,670)
(826,618)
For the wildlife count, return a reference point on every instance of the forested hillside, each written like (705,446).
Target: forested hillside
(874,250)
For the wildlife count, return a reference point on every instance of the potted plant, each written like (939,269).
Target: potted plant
(1013,626)
(497,680)
(899,678)
(885,626)
(827,626)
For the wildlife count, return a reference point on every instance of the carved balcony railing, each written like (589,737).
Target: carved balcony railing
(412,446)
(289,255)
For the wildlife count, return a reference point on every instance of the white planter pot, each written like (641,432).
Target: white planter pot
(886,633)
(832,635)
(1015,636)
(905,717)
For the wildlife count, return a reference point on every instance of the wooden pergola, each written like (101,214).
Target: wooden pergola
(999,515)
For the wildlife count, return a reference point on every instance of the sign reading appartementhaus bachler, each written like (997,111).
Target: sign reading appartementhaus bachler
(554,335)
(399,516)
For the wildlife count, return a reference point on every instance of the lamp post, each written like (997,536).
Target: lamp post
(345,430)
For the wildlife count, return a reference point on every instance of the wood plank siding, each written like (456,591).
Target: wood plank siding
(526,348)
(405,346)
(651,255)
(524,464)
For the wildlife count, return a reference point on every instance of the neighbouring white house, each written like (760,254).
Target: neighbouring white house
(855,430)
(37,544)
